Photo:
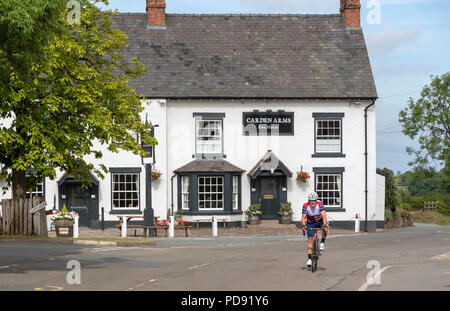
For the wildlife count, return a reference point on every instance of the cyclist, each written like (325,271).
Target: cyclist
(314,213)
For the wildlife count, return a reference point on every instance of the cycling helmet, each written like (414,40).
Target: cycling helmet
(313,196)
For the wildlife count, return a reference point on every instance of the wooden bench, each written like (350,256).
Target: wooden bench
(223,219)
(166,228)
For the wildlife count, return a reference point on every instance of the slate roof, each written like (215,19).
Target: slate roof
(216,166)
(249,56)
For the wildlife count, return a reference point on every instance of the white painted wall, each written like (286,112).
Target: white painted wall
(294,151)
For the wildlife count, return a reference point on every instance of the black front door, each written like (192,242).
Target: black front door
(79,201)
(270,197)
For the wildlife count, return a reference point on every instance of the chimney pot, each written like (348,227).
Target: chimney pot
(351,10)
(156,13)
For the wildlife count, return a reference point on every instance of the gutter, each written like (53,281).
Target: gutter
(366,160)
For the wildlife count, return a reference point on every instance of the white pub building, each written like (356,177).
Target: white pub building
(242,103)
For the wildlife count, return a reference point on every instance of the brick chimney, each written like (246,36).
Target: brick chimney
(156,13)
(351,10)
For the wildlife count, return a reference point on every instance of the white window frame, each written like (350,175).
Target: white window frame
(211,193)
(235,192)
(198,148)
(36,192)
(119,191)
(328,137)
(185,192)
(338,183)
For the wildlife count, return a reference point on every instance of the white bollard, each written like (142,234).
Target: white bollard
(124,227)
(214,226)
(357,223)
(75,227)
(172,227)
(243,220)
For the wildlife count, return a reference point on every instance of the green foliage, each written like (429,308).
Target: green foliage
(428,119)
(177,214)
(387,215)
(390,195)
(395,215)
(254,210)
(286,209)
(65,86)
(64,209)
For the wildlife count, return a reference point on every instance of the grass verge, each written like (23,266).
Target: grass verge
(431,217)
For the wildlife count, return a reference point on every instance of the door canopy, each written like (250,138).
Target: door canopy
(269,165)
(66,178)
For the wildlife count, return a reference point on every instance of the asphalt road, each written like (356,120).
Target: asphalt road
(415,258)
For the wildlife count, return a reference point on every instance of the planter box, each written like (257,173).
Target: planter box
(64,228)
(254,220)
(286,220)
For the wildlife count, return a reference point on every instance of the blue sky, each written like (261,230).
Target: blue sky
(410,44)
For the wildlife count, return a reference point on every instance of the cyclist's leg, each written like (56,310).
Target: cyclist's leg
(310,234)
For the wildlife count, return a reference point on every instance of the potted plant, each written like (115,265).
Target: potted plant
(156,174)
(286,213)
(303,176)
(254,214)
(64,221)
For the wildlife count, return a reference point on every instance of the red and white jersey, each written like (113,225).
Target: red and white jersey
(313,213)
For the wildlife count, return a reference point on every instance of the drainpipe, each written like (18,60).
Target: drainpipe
(171,190)
(366,156)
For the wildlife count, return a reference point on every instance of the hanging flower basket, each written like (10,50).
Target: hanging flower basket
(156,174)
(303,176)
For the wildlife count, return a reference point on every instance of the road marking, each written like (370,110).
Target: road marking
(189,246)
(142,284)
(53,288)
(4,267)
(375,276)
(445,256)
(397,240)
(199,266)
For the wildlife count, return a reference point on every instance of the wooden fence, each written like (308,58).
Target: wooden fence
(17,218)
(429,206)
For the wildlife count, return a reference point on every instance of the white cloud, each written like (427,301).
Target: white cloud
(390,39)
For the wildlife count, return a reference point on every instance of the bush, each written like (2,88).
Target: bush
(395,215)
(387,215)
(403,213)
(406,206)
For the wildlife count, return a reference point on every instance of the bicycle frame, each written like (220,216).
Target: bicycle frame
(315,251)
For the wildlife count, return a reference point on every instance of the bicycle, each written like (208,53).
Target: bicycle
(315,249)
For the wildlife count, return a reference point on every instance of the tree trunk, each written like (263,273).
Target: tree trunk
(19,184)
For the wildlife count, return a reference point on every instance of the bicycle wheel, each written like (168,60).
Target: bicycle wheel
(314,257)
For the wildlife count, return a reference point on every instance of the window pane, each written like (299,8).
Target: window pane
(210,192)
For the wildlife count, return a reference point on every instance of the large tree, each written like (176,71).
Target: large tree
(63,86)
(428,119)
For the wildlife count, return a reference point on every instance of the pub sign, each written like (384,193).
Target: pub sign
(268,123)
